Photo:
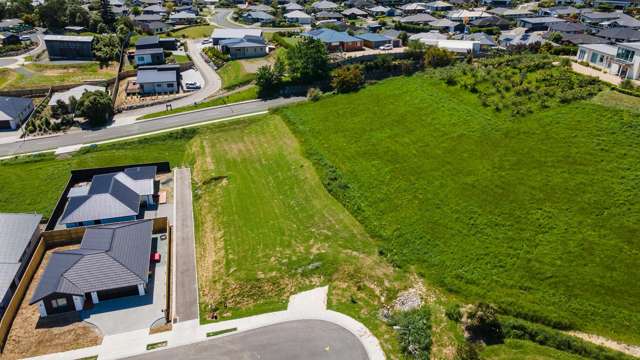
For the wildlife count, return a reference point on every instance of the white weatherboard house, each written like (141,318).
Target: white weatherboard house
(621,59)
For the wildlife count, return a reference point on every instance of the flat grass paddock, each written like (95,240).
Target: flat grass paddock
(534,213)
(267,228)
(40,75)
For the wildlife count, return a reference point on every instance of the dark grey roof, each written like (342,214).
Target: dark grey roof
(418,18)
(110,257)
(11,107)
(154,75)
(490,21)
(148,17)
(147,40)
(149,51)
(567,27)
(16,230)
(110,195)
(578,39)
(620,33)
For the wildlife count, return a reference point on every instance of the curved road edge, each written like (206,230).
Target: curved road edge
(308,305)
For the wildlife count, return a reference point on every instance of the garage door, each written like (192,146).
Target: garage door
(116,293)
(6,124)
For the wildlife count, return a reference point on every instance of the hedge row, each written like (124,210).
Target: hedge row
(524,330)
(626,91)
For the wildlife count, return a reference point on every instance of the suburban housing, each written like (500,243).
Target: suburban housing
(110,198)
(158,79)
(112,261)
(64,47)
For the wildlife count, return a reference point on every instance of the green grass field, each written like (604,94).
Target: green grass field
(611,98)
(242,95)
(233,75)
(45,75)
(194,32)
(524,350)
(533,213)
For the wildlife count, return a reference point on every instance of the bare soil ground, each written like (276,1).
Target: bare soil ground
(32,336)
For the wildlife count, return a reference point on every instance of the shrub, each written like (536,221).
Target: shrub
(436,57)
(414,332)
(452,311)
(347,79)
(95,106)
(627,85)
(467,351)
(314,94)
(483,324)
(523,330)
(308,61)
(217,57)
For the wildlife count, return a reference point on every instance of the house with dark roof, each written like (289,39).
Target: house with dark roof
(619,34)
(335,40)
(491,21)
(538,23)
(154,56)
(14,111)
(260,17)
(374,41)
(183,18)
(155,10)
(298,17)
(153,42)
(328,15)
(246,47)
(113,261)
(19,234)
(354,13)
(64,47)
(418,19)
(578,39)
(568,28)
(158,79)
(111,197)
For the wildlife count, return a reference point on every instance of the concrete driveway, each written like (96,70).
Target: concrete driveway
(304,339)
(134,312)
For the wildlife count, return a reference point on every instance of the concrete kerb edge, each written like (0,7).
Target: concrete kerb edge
(151,133)
(199,110)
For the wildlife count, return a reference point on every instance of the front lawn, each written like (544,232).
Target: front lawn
(194,32)
(39,75)
(525,350)
(233,74)
(535,213)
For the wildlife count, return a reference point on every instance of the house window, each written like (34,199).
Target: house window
(625,54)
(140,58)
(581,54)
(594,58)
(56,303)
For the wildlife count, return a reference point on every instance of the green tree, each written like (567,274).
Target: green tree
(3,10)
(436,57)
(415,50)
(556,37)
(267,80)
(483,324)
(106,48)
(308,61)
(53,14)
(136,11)
(18,8)
(78,16)
(347,79)
(95,106)
(107,15)
(96,20)
(404,37)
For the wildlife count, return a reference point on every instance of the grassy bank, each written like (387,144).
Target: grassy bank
(250,93)
(524,350)
(46,75)
(523,211)
(233,74)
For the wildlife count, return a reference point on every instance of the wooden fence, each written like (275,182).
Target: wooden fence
(168,314)
(20,292)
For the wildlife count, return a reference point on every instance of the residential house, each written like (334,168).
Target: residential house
(354,13)
(154,41)
(559,11)
(596,19)
(467,15)
(111,197)
(246,47)
(293,7)
(374,41)
(538,23)
(183,18)
(520,36)
(447,25)
(76,92)
(459,46)
(298,17)
(13,25)
(438,6)
(619,34)
(512,14)
(601,56)
(223,34)
(186,8)
(380,11)
(486,41)
(260,17)
(335,40)
(418,19)
(9,38)
(491,21)
(19,235)
(158,79)
(156,27)
(429,38)
(579,39)
(616,4)
(14,111)
(568,28)
(112,261)
(628,59)
(63,47)
(496,3)
(328,15)
(324,5)
(414,8)
(155,10)
(153,56)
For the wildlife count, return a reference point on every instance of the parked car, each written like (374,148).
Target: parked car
(192,85)
(155,257)
(206,41)
(386,47)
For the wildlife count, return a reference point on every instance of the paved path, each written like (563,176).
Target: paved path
(303,339)
(221,113)
(308,305)
(212,84)
(186,280)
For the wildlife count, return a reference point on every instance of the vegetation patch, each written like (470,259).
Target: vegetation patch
(524,350)
(525,211)
(233,74)
(414,332)
(41,75)
(220,332)
(194,32)
(157,345)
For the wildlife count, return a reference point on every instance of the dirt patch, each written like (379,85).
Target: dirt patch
(32,336)
(611,344)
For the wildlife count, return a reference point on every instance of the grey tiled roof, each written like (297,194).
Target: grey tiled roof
(16,231)
(110,257)
(11,107)
(110,195)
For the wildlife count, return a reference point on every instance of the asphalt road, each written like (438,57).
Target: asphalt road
(139,127)
(220,19)
(305,339)
(186,290)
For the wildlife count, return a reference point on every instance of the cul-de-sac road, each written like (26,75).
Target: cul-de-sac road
(303,339)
